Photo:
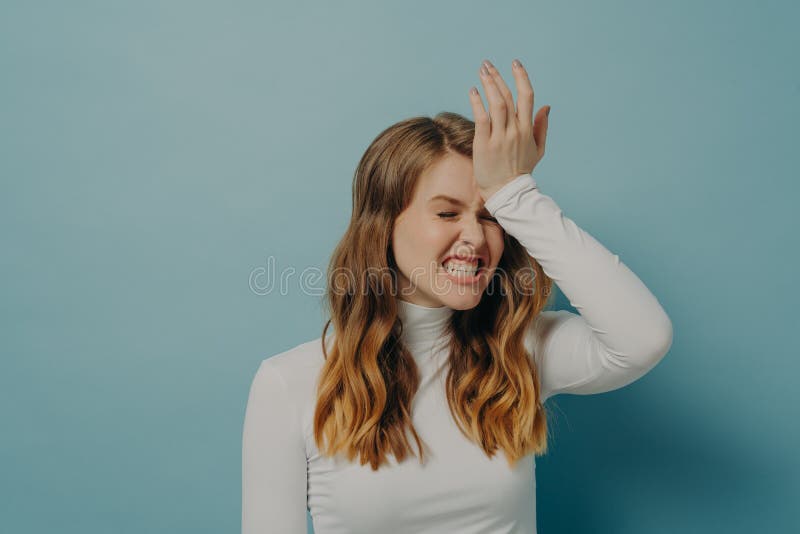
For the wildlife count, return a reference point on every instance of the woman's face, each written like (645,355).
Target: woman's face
(434,231)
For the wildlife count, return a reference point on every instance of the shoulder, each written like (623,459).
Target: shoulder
(295,372)
(297,366)
(298,359)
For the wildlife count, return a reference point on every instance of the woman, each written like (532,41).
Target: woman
(442,354)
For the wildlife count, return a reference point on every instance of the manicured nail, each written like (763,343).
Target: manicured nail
(516,63)
(487,64)
(484,71)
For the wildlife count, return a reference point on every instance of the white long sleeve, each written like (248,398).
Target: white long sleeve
(622,331)
(273,458)
(620,334)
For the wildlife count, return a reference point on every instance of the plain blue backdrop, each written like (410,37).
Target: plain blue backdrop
(154,156)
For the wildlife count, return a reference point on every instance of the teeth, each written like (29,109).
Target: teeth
(461,268)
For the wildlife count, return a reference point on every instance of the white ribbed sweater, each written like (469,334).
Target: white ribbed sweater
(620,334)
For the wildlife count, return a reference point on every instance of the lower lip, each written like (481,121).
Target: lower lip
(463,279)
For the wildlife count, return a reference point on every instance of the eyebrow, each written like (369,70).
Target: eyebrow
(452,200)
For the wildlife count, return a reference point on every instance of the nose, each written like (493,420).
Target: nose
(472,232)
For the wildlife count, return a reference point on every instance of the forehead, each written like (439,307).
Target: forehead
(450,176)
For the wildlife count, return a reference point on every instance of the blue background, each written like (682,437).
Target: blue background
(155,155)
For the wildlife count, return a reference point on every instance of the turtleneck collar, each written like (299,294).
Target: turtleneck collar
(422,325)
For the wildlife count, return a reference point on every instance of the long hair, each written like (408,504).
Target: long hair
(369,378)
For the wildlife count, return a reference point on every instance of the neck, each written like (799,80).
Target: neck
(422,325)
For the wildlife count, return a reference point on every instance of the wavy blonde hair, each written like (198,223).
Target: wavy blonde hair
(369,378)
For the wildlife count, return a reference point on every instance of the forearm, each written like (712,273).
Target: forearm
(621,311)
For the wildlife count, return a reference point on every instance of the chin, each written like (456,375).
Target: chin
(460,293)
(461,302)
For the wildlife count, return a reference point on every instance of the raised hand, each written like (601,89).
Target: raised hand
(508,141)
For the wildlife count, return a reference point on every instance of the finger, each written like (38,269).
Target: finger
(497,111)
(524,95)
(505,92)
(482,122)
(540,130)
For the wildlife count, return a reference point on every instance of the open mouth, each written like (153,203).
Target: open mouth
(463,270)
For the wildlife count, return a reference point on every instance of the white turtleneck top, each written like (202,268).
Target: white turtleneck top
(620,334)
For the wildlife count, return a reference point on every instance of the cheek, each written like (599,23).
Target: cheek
(439,236)
(496,242)
(418,243)
(430,238)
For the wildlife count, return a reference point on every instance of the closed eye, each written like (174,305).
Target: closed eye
(450,214)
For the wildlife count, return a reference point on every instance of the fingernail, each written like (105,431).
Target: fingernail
(487,64)
(484,71)
(516,63)
(548,113)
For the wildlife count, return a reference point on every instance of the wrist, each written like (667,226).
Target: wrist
(487,192)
